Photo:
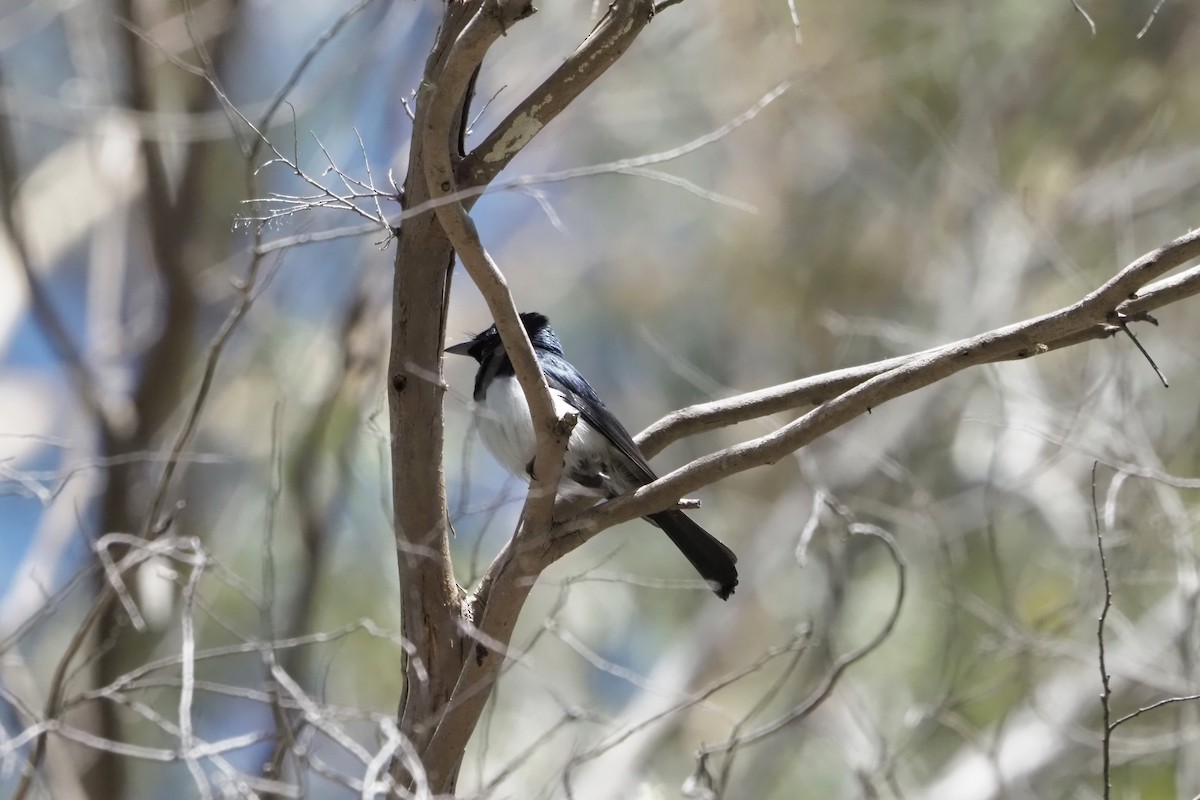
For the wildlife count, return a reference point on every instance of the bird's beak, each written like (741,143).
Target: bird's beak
(460,349)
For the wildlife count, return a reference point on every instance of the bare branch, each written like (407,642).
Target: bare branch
(468,194)
(491,612)
(1105,677)
(118,419)
(302,66)
(608,41)
(1086,17)
(887,380)
(820,388)
(553,430)
(1150,20)
(840,665)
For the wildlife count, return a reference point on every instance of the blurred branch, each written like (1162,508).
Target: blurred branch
(1086,17)
(315,513)
(612,768)
(117,422)
(1108,725)
(636,166)
(155,398)
(830,680)
(1150,20)
(694,650)
(301,67)
(161,372)
(1063,703)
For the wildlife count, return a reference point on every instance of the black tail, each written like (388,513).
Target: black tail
(713,560)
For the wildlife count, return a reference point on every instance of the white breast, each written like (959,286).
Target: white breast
(505,425)
(507,430)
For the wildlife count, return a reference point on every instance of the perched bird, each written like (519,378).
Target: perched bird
(602,460)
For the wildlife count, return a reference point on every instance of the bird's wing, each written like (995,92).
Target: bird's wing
(580,394)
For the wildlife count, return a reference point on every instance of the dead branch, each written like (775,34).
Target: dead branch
(817,389)
(857,391)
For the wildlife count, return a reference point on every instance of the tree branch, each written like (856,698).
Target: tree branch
(552,429)
(429,594)
(489,615)
(608,41)
(1093,316)
(818,389)
(113,421)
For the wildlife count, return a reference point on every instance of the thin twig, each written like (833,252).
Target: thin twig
(1146,355)
(301,67)
(1150,20)
(1087,18)
(187,658)
(841,664)
(1105,678)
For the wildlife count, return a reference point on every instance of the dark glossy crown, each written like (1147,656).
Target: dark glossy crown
(537,326)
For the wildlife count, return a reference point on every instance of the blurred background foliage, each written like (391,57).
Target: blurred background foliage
(933,169)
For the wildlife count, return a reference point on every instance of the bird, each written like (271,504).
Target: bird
(602,461)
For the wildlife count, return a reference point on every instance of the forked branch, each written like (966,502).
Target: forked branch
(439,713)
(857,391)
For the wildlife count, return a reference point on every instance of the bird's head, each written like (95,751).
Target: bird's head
(484,344)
